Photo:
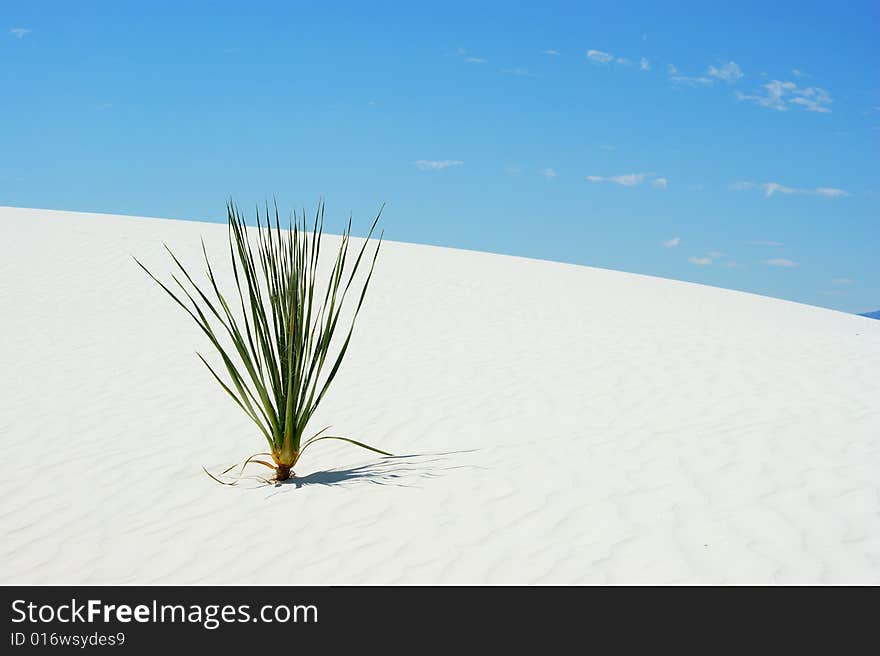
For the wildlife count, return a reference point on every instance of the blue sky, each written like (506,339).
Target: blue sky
(731,145)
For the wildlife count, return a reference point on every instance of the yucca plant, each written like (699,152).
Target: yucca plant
(277,350)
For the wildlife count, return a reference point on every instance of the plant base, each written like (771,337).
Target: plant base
(282,472)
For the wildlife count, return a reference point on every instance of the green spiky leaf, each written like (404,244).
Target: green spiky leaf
(274,332)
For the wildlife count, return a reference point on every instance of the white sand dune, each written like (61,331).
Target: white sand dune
(556,424)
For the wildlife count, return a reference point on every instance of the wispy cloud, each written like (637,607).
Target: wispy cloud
(513,170)
(599,57)
(644,64)
(763,242)
(436,164)
(771,188)
(798,73)
(626,180)
(469,59)
(689,81)
(773,97)
(779,95)
(813,99)
(841,281)
(710,258)
(519,72)
(630,179)
(19,32)
(552,53)
(549,174)
(672,243)
(829,192)
(729,72)
(781,262)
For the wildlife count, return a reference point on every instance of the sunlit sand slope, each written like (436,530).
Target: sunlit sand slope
(551,424)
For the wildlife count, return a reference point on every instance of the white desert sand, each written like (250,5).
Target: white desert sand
(553,424)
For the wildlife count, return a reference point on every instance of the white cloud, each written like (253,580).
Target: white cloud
(691,81)
(437,164)
(829,192)
(813,99)
(773,98)
(599,57)
(672,243)
(781,262)
(798,73)
(780,95)
(627,179)
(469,59)
(623,61)
(762,242)
(552,53)
(729,72)
(644,64)
(841,281)
(771,188)
(19,32)
(548,173)
(709,258)
(630,179)
(742,185)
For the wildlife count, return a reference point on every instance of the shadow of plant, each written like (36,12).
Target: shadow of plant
(399,471)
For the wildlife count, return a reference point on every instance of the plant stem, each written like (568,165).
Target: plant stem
(282,472)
